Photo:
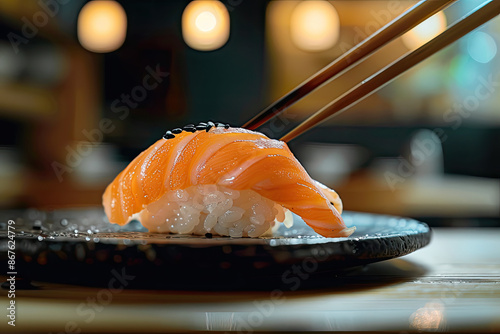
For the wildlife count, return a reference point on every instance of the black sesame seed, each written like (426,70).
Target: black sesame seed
(177,130)
(203,123)
(201,127)
(227,126)
(190,129)
(220,125)
(208,235)
(211,124)
(168,135)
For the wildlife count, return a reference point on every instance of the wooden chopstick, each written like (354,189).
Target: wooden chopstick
(473,20)
(403,23)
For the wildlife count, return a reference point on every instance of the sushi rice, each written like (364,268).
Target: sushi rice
(202,209)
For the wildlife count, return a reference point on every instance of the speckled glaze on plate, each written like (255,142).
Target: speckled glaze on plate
(80,247)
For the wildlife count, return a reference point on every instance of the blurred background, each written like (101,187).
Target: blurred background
(87,85)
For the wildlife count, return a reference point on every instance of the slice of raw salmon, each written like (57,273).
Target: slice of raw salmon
(235,158)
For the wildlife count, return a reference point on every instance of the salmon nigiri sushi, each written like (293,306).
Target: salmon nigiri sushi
(212,178)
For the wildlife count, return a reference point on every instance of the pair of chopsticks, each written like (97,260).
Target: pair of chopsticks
(406,21)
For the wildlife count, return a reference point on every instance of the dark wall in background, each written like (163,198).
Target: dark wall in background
(228,84)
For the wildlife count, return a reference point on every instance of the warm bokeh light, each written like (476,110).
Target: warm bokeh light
(430,317)
(205,25)
(102,26)
(481,47)
(425,31)
(314,26)
(206,21)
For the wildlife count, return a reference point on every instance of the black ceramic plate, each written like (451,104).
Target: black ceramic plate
(80,247)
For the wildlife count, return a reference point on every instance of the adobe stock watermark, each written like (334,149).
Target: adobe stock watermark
(88,310)
(48,9)
(454,116)
(121,107)
(293,279)
(278,123)
(380,19)
(232,4)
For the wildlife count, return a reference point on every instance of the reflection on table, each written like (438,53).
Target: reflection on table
(451,285)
